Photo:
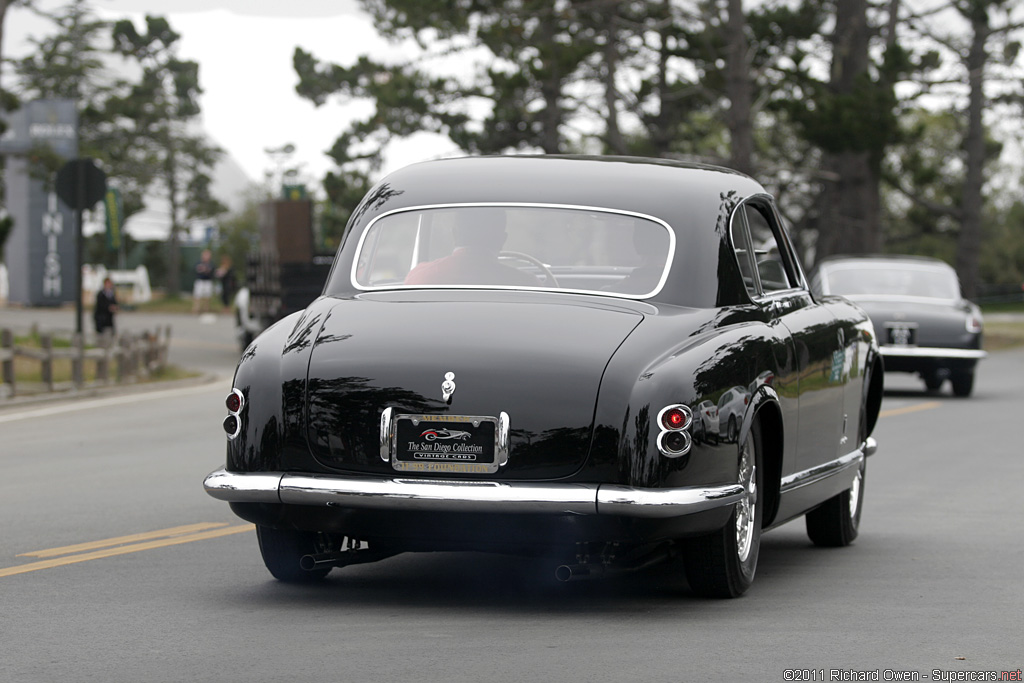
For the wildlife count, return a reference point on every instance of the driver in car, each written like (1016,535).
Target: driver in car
(479,234)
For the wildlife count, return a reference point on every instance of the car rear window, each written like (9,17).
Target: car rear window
(572,249)
(893,280)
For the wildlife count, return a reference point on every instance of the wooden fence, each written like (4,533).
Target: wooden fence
(117,359)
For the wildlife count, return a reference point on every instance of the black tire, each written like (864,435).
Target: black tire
(732,431)
(963,383)
(932,381)
(282,551)
(835,523)
(720,565)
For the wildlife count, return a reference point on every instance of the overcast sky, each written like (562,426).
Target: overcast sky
(244,49)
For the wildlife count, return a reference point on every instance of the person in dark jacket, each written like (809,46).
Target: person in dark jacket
(106,307)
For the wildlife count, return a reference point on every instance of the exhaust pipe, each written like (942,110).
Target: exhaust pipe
(577,572)
(610,566)
(342,558)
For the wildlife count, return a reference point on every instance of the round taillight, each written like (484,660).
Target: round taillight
(674,444)
(231,425)
(674,419)
(676,441)
(234,401)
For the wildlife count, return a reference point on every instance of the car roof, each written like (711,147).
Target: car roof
(643,185)
(695,200)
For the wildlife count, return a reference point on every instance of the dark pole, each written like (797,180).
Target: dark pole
(79,243)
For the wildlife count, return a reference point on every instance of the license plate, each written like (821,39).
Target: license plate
(902,335)
(445,444)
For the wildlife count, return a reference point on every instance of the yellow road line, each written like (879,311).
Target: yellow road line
(122,540)
(124,550)
(910,409)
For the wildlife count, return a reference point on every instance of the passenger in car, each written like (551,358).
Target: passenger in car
(652,248)
(479,234)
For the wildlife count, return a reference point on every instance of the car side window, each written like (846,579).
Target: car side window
(744,253)
(768,253)
(761,250)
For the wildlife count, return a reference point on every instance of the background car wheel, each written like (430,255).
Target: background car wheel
(733,432)
(282,551)
(932,381)
(963,384)
(835,523)
(722,564)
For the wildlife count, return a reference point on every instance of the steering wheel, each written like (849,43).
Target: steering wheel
(520,256)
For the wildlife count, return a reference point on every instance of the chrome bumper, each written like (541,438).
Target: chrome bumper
(468,496)
(930,352)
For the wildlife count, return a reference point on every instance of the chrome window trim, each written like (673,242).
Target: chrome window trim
(522,205)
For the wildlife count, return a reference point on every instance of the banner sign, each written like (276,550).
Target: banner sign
(41,252)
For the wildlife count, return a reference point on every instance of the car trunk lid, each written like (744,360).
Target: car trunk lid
(539,360)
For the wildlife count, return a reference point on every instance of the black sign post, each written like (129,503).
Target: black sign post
(80,184)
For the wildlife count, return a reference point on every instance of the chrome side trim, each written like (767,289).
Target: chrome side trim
(244,487)
(929,352)
(635,502)
(468,496)
(826,470)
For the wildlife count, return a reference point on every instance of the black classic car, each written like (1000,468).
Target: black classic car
(923,324)
(508,355)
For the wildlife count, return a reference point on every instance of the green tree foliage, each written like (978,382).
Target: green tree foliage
(158,113)
(72,63)
(824,100)
(343,190)
(142,132)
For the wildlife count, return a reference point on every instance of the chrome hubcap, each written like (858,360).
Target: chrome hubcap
(748,504)
(855,493)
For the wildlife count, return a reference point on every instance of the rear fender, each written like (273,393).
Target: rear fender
(271,375)
(733,356)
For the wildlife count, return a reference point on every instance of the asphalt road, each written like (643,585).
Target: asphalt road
(170,586)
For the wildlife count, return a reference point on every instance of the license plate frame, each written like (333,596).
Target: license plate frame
(446,444)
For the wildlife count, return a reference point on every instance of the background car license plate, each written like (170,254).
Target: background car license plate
(445,444)
(902,335)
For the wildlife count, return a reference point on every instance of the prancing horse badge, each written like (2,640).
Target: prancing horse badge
(448,387)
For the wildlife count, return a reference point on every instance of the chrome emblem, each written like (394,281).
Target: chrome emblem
(448,387)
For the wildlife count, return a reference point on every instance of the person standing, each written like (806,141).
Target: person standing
(106,307)
(226,275)
(202,290)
